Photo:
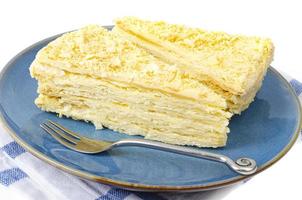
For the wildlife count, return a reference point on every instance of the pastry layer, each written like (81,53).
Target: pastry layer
(93,75)
(234,65)
(159,105)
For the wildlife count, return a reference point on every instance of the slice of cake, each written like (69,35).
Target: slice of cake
(95,75)
(231,65)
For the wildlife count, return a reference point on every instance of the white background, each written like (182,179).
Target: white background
(25,22)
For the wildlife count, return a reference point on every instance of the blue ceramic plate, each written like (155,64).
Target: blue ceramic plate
(264,132)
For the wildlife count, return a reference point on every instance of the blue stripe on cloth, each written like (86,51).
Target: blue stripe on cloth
(149,196)
(9,176)
(115,194)
(297,86)
(13,149)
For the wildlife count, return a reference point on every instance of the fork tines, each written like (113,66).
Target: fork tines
(61,134)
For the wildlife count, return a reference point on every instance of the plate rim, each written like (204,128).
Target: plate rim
(145,187)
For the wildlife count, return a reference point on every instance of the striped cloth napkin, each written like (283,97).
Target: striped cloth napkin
(31,178)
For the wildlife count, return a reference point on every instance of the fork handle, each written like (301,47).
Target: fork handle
(243,166)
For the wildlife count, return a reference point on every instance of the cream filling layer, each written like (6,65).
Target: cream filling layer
(170,130)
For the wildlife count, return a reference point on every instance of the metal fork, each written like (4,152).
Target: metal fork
(74,141)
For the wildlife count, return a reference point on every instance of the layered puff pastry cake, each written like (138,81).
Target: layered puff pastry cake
(231,65)
(95,75)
